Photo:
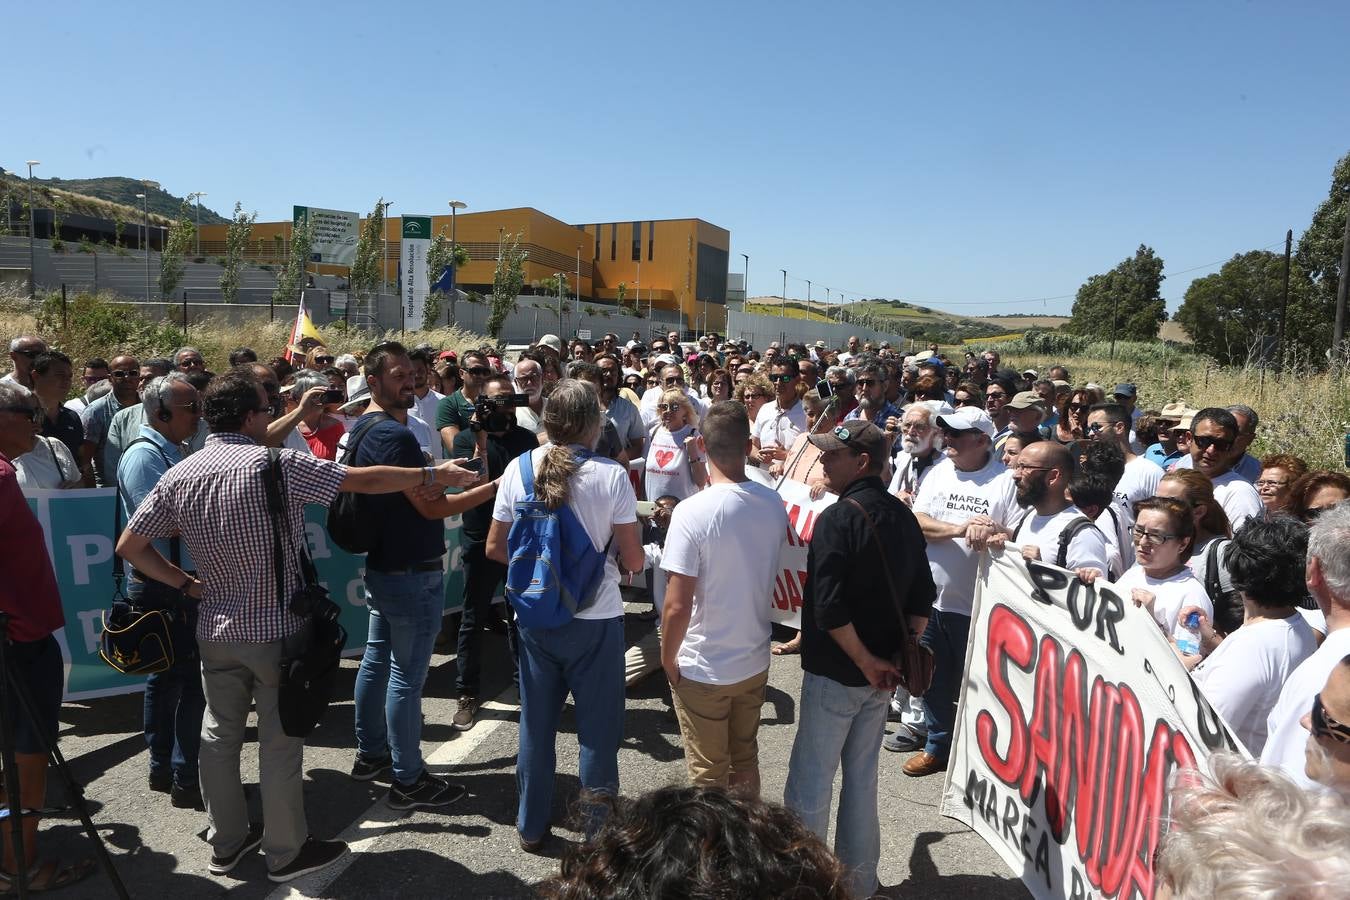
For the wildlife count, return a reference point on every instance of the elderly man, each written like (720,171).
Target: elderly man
(1165,451)
(22,351)
(126,424)
(174,703)
(1329,584)
(213,501)
(189,359)
(870,389)
(529,378)
(1026,411)
(1328,722)
(921,448)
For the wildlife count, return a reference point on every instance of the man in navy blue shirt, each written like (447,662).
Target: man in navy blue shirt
(405,589)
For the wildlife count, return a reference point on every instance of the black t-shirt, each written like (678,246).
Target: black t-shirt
(846,580)
(405,535)
(66,428)
(500,451)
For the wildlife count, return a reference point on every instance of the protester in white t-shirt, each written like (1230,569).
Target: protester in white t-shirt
(968,500)
(1041,474)
(49,465)
(1092,493)
(1160,581)
(1328,579)
(1110,422)
(920,448)
(583,657)
(1243,676)
(721,555)
(1214,450)
(778,422)
(674,465)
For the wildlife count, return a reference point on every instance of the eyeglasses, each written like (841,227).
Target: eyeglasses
(32,413)
(195,407)
(1265,483)
(996,395)
(1324,726)
(1023,467)
(1204,442)
(915,427)
(198,362)
(865,382)
(652,382)
(668,407)
(671,380)
(479,371)
(119,374)
(528,379)
(966,401)
(1153,537)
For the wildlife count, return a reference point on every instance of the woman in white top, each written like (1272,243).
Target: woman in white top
(1242,678)
(47,464)
(1160,581)
(585,655)
(673,464)
(1212,534)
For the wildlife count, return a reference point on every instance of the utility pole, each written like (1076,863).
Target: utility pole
(783,314)
(199,195)
(145,242)
(1343,286)
(1114,300)
(32,230)
(745,282)
(1284,300)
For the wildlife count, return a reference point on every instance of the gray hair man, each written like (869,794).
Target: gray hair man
(22,351)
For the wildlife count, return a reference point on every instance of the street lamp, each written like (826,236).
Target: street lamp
(384,245)
(559,276)
(32,229)
(199,195)
(577,287)
(145,239)
(784,306)
(455,206)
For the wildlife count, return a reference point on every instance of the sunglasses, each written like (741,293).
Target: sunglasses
(673,380)
(198,362)
(1223,445)
(966,401)
(1096,428)
(321,360)
(652,382)
(94,379)
(1324,726)
(124,373)
(32,413)
(1079,407)
(996,395)
(668,407)
(781,379)
(31,354)
(479,371)
(865,382)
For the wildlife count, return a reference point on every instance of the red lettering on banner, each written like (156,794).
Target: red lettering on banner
(1088,750)
(801,524)
(788,589)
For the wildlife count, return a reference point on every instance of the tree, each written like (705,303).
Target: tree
(506,283)
(1130,293)
(1319,250)
(440,256)
(367,269)
(236,239)
(292,274)
(1235,312)
(181,234)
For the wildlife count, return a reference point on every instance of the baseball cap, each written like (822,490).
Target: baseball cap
(856,434)
(448,354)
(1027,400)
(1124,389)
(551,341)
(1030,373)
(968,418)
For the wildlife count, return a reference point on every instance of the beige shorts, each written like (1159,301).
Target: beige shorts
(719,724)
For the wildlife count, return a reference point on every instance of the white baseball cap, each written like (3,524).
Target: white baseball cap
(968,418)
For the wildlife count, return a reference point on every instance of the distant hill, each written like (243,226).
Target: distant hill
(112,189)
(899,317)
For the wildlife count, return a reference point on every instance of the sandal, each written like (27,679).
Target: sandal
(47,875)
(791,647)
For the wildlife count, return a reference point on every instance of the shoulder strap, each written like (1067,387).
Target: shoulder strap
(1017,532)
(1067,535)
(276,492)
(350,453)
(276,511)
(527,472)
(885,562)
(1212,570)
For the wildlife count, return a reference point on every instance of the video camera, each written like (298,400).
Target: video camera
(496,413)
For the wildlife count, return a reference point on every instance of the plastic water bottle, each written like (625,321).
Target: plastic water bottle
(1187,635)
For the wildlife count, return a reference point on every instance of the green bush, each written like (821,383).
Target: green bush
(96,326)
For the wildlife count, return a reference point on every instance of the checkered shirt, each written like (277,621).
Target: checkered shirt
(216,500)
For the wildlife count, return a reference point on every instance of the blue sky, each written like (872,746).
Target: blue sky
(968,156)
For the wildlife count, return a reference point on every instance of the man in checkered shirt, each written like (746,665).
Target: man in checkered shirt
(216,501)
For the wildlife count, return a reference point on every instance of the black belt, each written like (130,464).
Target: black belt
(430,565)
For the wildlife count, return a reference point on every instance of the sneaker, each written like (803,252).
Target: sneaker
(221,864)
(161,782)
(187,797)
(904,741)
(427,792)
(369,769)
(464,715)
(313,856)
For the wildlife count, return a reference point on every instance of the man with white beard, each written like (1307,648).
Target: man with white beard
(920,447)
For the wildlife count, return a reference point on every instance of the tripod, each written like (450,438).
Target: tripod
(11,686)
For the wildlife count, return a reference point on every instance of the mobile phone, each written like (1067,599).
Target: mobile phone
(646,508)
(472,465)
(824,389)
(333,395)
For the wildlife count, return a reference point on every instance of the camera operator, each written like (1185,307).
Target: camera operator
(494,437)
(216,501)
(174,702)
(30,597)
(405,583)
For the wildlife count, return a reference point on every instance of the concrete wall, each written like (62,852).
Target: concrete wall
(761,330)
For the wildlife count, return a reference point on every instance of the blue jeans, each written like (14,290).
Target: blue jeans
(585,656)
(946,636)
(174,704)
(481,578)
(405,615)
(838,724)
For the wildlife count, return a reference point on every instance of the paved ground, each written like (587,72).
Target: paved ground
(470,849)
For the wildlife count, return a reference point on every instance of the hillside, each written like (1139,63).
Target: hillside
(108,197)
(898,317)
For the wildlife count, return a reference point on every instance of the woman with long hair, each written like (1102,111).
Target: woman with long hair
(584,656)
(719,386)
(1072,426)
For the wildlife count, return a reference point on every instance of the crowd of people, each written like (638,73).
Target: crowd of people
(666,452)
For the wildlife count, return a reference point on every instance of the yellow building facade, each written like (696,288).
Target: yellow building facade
(669,264)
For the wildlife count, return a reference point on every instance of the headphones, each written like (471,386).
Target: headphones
(164,414)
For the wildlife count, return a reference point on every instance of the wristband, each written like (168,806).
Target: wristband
(429,474)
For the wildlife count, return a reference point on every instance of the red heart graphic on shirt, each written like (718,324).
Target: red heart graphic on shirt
(663,457)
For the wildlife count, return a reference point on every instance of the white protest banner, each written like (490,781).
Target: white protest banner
(802,512)
(1075,712)
(335,234)
(413,267)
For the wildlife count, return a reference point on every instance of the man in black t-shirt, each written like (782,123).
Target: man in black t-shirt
(406,590)
(497,439)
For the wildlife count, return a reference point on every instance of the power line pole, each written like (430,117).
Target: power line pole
(1284,299)
(1344,286)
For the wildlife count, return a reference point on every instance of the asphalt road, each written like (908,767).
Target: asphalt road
(469,849)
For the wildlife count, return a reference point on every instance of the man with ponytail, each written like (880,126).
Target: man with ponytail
(583,656)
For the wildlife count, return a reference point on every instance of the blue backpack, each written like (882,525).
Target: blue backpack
(554,570)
